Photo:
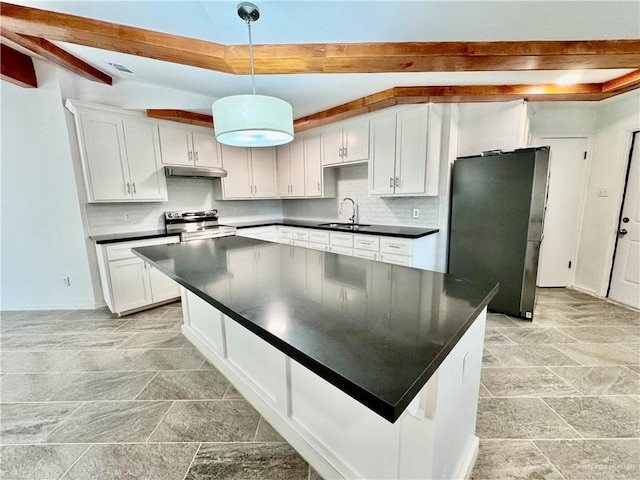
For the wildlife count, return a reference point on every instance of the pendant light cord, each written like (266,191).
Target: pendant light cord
(253,77)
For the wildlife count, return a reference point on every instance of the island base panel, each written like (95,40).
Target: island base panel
(336,434)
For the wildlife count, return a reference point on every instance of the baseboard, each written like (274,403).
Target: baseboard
(74,306)
(584,290)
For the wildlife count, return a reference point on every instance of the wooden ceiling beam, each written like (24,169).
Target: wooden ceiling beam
(57,56)
(622,84)
(438,94)
(182,116)
(17,68)
(324,58)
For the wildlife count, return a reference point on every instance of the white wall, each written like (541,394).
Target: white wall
(617,118)
(42,235)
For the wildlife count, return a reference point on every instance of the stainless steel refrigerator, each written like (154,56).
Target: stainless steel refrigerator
(495,229)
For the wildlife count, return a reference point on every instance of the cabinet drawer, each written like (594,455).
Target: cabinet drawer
(365,254)
(285,232)
(300,243)
(120,250)
(397,246)
(342,250)
(319,246)
(341,240)
(316,236)
(301,235)
(396,259)
(366,242)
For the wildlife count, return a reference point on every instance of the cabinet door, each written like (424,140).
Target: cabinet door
(411,151)
(297,168)
(331,146)
(162,286)
(237,183)
(105,157)
(383,155)
(175,144)
(129,284)
(313,166)
(283,167)
(263,169)
(205,149)
(356,142)
(145,167)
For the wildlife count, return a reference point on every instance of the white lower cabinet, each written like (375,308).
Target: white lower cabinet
(268,233)
(128,283)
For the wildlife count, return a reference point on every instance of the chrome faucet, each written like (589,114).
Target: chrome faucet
(354,213)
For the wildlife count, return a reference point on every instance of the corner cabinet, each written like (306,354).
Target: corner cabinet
(128,283)
(189,147)
(405,152)
(120,154)
(251,173)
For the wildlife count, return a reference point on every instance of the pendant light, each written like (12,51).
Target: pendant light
(252,120)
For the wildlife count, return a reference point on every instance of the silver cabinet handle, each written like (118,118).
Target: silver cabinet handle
(393,246)
(390,182)
(318,186)
(196,155)
(190,155)
(134,187)
(397,182)
(128,187)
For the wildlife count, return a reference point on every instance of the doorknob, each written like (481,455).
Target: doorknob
(622,231)
(625,220)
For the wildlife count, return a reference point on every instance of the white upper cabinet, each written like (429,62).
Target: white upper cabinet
(291,169)
(313,168)
(493,126)
(251,173)
(120,155)
(189,146)
(405,152)
(348,142)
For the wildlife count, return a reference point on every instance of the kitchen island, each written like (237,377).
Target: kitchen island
(369,370)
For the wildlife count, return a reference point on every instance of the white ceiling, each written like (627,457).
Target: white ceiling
(349,22)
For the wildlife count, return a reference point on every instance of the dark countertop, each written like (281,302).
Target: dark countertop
(387,230)
(374,330)
(125,237)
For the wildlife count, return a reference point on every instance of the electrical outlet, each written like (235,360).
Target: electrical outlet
(127,217)
(66,281)
(416,213)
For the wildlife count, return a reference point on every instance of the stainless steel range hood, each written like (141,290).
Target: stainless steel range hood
(201,172)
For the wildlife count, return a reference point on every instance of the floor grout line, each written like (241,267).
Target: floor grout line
(548,460)
(160,422)
(192,460)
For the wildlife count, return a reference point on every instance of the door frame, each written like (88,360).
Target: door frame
(633,137)
(538,140)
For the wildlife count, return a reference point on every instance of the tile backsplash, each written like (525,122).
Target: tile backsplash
(353,182)
(184,194)
(195,194)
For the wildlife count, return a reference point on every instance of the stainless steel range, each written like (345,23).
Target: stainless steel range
(196,225)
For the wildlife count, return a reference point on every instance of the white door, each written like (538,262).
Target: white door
(313,166)
(383,155)
(411,151)
(263,171)
(297,167)
(567,167)
(130,284)
(625,278)
(237,183)
(205,149)
(176,146)
(106,157)
(283,166)
(162,286)
(143,153)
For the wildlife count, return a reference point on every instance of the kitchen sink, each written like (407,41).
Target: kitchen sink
(344,226)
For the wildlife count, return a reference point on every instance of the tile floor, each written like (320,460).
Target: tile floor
(85,395)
